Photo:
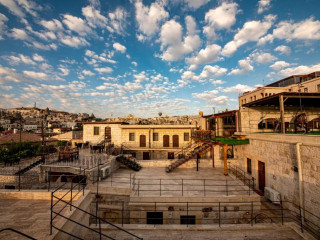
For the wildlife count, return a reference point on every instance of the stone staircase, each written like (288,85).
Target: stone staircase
(196,150)
(29,167)
(129,163)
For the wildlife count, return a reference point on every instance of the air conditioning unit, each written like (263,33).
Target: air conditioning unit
(272,195)
(105,172)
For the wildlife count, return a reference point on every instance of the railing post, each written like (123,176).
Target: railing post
(19,186)
(301,221)
(249,186)
(160,186)
(281,211)
(130,179)
(100,235)
(182,186)
(138,188)
(204,187)
(51,213)
(244,177)
(111,179)
(251,213)
(252,183)
(219,216)
(122,212)
(188,214)
(48,180)
(71,195)
(227,187)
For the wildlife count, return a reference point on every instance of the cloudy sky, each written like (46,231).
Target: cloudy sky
(118,57)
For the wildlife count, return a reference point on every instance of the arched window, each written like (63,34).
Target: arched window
(314,123)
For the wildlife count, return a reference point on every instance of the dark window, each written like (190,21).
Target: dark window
(188,220)
(165,140)
(154,218)
(96,131)
(143,141)
(155,136)
(249,167)
(146,156)
(131,136)
(186,136)
(318,88)
(170,155)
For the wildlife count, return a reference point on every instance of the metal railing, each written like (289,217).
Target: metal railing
(18,232)
(240,174)
(201,134)
(75,190)
(235,212)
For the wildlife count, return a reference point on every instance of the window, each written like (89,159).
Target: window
(250,99)
(249,168)
(155,136)
(306,90)
(255,97)
(190,219)
(318,87)
(154,218)
(96,130)
(266,94)
(165,140)
(262,95)
(131,136)
(186,136)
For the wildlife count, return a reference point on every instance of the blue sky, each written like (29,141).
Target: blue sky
(114,58)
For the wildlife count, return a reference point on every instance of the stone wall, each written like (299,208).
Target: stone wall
(278,152)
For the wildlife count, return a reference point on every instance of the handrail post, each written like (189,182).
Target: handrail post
(204,187)
(227,187)
(188,214)
(100,229)
(130,179)
(48,179)
(122,212)
(51,213)
(251,213)
(19,186)
(71,195)
(249,186)
(182,186)
(160,186)
(138,188)
(301,221)
(281,211)
(219,216)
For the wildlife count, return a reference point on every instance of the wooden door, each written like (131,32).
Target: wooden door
(146,156)
(143,141)
(175,141)
(261,175)
(107,132)
(165,140)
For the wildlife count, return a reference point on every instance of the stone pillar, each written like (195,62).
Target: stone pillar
(212,153)
(283,130)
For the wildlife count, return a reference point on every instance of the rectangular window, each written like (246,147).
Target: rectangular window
(190,219)
(154,218)
(186,136)
(249,169)
(155,136)
(255,98)
(96,130)
(131,136)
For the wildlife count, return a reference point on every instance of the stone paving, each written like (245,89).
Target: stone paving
(205,182)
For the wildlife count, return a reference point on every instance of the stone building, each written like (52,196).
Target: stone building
(145,141)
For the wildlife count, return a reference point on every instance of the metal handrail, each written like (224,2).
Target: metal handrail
(18,232)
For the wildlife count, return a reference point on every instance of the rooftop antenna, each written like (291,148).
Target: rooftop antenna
(35,105)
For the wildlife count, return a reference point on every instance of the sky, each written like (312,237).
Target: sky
(119,57)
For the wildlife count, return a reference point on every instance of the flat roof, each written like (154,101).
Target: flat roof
(95,123)
(157,126)
(290,99)
(223,114)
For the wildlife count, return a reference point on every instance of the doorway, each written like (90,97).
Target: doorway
(175,141)
(107,134)
(154,218)
(143,141)
(146,156)
(261,175)
(170,155)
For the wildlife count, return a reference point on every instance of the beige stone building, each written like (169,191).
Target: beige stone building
(144,141)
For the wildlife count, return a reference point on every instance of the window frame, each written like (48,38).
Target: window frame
(155,137)
(186,136)
(131,136)
(96,133)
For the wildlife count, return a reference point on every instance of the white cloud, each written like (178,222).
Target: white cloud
(19,34)
(251,31)
(149,18)
(37,58)
(141,77)
(94,17)
(212,71)
(36,75)
(65,71)
(13,8)
(118,21)
(134,63)
(196,3)
(239,88)
(73,41)
(262,58)
(119,47)
(222,17)
(53,25)
(216,82)
(302,69)
(6,88)
(263,5)
(104,70)
(87,73)
(21,58)
(76,24)
(3,19)
(279,65)
(283,50)
(171,43)
(211,98)
(205,56)
(10,75)
(265,39)
(308,29)
(244,67)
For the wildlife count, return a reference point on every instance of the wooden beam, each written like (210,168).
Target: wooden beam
(283,130)
(225,159)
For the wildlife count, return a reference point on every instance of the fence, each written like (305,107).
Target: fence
(217,213)
(240,174)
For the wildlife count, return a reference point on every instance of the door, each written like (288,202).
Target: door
(165,140)
(154,218)
(175,141)
(261,175)
(107,133)
(146,156)
(143,141)
(170,155)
